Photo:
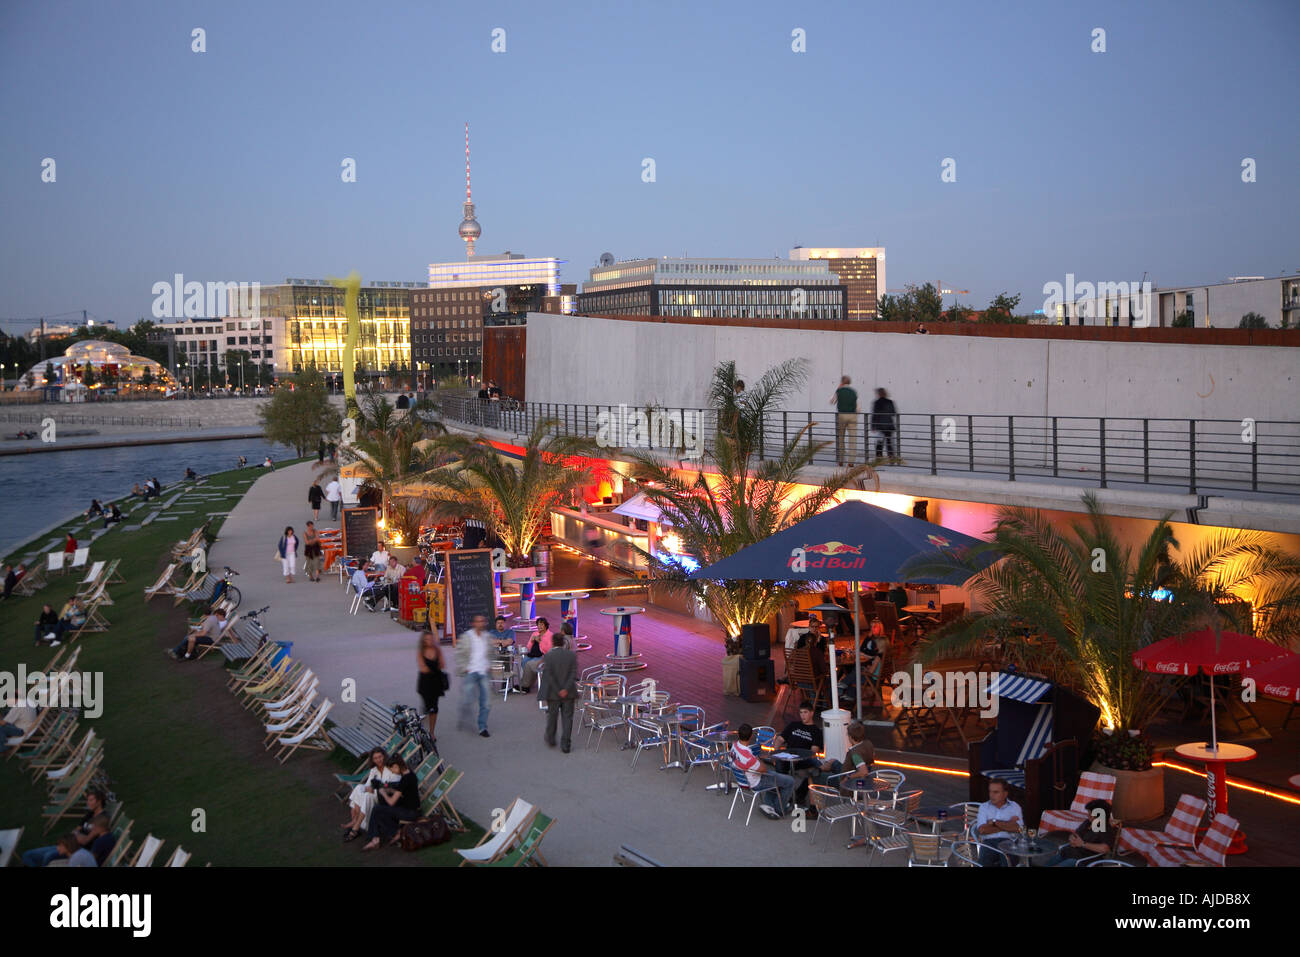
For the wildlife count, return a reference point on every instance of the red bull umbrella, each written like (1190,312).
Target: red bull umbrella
(853,542)
(1227,653)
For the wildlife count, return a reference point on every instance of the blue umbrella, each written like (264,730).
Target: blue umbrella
(853,542)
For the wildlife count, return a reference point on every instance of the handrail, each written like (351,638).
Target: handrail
(78,419)
(1195,456)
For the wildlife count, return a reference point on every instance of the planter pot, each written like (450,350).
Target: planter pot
(1139,795)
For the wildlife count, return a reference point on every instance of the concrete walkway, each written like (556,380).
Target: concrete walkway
(597,801)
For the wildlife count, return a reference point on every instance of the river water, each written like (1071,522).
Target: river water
(41,489)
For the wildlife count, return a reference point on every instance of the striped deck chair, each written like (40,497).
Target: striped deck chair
(528,851)
(1180,830)
(313,736)
(1092,787)
(1211,852)
(436,799)
(496,844)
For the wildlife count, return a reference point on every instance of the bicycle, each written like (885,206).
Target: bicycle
(407,721)
(226,590)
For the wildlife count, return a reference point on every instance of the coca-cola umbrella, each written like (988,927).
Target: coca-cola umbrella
(1279,678)
(1227,653)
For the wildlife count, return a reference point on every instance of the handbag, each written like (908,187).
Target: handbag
(424,832)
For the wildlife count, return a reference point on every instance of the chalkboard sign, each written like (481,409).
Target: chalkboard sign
(360,533)
(469,587)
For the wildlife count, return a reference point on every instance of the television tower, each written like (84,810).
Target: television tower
(469,227)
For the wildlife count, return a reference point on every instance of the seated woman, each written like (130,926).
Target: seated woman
(113,516)
(72,615)
(538,645)
(395,805)
(95,509)
(362,799)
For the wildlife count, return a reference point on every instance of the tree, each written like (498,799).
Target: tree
(146,378)
(1252,320)
(300,416)
(512,499)
(49,373)
(1183,320)
(1094,602)
(929,303)
(958,312)
(887,309)
(88,375)
(744,500)
(1001,308)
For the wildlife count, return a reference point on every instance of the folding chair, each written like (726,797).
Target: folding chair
(312,736)
(54,563)
(436,799)
(1211,852)
(161,586)
(147,852)
(180,857)
(31,582)
(1180,831)
(8,844)
(1093,786)
(527,851)
(79,558)
(495,845)
(120,847)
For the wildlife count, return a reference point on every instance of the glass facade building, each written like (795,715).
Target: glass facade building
(715,288)
(860,268)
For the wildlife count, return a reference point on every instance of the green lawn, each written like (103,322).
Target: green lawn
(175,741)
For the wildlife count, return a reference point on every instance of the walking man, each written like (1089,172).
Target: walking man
(845,401)
(560,689)
(884,419)
(334,495)
(474,665)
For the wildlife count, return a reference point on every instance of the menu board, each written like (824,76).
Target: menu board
(360,533)
(469,588)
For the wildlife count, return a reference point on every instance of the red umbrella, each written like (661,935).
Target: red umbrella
(1279,678)
(1228,653)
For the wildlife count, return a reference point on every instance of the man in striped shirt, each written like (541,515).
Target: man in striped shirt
(759,775)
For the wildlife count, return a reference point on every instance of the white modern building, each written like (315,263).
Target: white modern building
(1218,305)
(507,269)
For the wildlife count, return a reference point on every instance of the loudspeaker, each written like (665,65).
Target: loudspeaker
(757,680)
(755,641)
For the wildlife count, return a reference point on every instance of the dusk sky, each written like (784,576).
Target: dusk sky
(225,165)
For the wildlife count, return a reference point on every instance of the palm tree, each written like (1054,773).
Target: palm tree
(741,500)
(1077,606)
(512,499)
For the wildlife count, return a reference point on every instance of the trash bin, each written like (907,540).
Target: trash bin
(286,649)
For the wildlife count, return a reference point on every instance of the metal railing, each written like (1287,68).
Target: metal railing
(1196,456)
(77,419)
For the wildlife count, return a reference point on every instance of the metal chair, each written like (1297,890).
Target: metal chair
(763,736)
(904,806)
(743,788)
(969,811)
(884,836)
(1106,862)
(928,850)
(603,719)
(650,737)
(831,807)
(964,853)
(707,753)
(982,848)
(893,779)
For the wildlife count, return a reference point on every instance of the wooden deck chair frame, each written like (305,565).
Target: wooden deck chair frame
(31,582)
(52,746)
(163,580)
(94,621)
(147,852)
(180,857)
(436,798)
(45,719)
(54,562)
(93,574)
(312,737)
(9,841)
(528,851)
(80,558)
(111,575)
(64,805)
(280,704)
(59,766)
(255,666)
(182,592)
(276,684)
(227,635)
(507,838)
(121,848)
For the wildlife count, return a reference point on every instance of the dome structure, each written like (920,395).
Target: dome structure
(112,365)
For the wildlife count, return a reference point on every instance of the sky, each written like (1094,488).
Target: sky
(226,165)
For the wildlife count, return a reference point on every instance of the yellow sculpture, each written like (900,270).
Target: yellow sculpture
(352,286)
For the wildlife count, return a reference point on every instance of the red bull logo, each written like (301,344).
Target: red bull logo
(833,548)
(938,540)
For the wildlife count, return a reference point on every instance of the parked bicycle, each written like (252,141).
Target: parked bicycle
(224,589)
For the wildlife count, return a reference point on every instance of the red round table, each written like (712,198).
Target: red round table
(1216,781)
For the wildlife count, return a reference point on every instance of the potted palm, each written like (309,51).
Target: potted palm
(1077,606)
(738,496)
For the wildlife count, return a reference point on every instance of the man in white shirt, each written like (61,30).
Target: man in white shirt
(379,559)
(392,578)
(999,819)
(334,495)
(474,665)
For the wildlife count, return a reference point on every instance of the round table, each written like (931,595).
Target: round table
(527,594)
(1216,779)
(1295,781)
(623,658)
(1025,849)
(569,612)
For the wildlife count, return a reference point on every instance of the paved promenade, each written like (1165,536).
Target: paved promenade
(598,802)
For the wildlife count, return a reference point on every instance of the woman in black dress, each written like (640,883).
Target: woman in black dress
(394,805)
(432,682)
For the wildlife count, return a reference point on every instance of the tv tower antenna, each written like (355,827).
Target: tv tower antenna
(469,228)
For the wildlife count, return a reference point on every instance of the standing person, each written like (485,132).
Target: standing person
(312,552)
(70,546)
(334,452)
(315,495)
(559,689)
(432,683)
(845,401)
(334,495)
(288,552)
(474,665)
(884,420)
(320,452)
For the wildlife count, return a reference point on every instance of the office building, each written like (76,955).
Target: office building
(1210,306)
(717,288)
(861,269)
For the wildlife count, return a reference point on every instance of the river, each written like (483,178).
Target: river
(40,490)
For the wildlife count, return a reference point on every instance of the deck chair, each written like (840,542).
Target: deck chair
(180,857)
(278,704)
(111,575)
(255,667)
(53,746)
(161,586)
(285,675)
(79,558)
(228,632)
(8,843)
(193,589)
(92,578)
(120,847)
(147,852)
(313,736)
(1180,831)
(64,802)
(436,799)
(58,770)
(36,732)
(31,582)
(94,620)
(495,844)
(292,721)
(528,851)
(54,563)
(1092,787)
(1211,852)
